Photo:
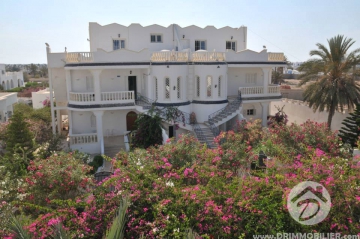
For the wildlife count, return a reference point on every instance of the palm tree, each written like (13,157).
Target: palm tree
(334,86)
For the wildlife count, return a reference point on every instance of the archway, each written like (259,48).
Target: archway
(3,85)
(7,85)
(12,84)
(130,121)
(18,83)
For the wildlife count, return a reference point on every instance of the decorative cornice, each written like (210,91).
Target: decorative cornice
(172,104)
(99,106)
(213,102)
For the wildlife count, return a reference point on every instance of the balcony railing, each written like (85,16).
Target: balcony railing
(83,139)
(82,97)
(123,96)
(255,90)
(259,90)
(169,56)
(75,57)
(208,56)
(276,56)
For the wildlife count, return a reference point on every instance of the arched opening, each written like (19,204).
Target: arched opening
(3,85)
(208,86)
(18,83)
(167,88)
(7,85)
(12,84)
(178,84)
(197,86)
(130,121)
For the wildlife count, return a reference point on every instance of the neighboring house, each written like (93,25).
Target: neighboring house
(200,70)
(7,100)
(10,80)
(39,98)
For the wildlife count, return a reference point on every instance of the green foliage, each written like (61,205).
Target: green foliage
(16,89)
(350,132)
(17,229)
(29,112)
(148,131)
(334,86)
(18,137)
(277,77)
(96,163)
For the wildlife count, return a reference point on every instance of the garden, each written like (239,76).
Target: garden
(184,190)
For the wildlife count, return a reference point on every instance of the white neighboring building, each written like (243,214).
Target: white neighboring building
(200,70)
(7,100)
(10,80)
(39,97)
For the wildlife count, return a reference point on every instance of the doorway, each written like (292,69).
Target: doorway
(171,131)
(131,117)
(132,85)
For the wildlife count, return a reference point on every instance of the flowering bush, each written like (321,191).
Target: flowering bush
(182,186)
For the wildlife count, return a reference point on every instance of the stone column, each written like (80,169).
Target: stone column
(265,112)
(97,88)
(99,128)
(58,119)
(68,83)
(266,71)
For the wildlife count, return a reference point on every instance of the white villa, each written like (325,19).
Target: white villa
(10,80)
(128,69)
(7,101)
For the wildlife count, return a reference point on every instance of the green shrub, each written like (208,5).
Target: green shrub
(96,163)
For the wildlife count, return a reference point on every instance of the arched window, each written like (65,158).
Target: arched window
(178,82)
(197,86)
(219,86)
(208,86)
(93,121)
(167,88)
(156,89)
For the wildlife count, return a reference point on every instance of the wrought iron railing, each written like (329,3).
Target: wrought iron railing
(223,113)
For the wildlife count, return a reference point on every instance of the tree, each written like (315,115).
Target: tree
(43,71)
(350,132)
(33,69)
(18,137)
(334,85)
(277,77)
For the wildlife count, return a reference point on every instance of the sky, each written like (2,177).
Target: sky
(293,27)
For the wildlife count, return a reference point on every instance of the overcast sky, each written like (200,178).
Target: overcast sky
(292,27)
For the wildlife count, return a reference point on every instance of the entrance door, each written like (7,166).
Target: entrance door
(171,131)
(130,121)
(132,85)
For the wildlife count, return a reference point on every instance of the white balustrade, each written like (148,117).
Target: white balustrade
(208,56)
(164,56)
(274,89)
(82,97)
(74,57)
(118,96)
(255,90)
(272,56)
(83,139)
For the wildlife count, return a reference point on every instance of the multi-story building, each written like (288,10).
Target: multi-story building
(199,70)
(7,101)
(10,80)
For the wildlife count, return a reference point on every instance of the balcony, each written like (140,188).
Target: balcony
(88,98)
(83,139)
(77,57)
(276,56)
(260,92)
(204,56)
(166,56)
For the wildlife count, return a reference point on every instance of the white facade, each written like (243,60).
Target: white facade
(7,100)
(10,80)
(198,70)
(39,97)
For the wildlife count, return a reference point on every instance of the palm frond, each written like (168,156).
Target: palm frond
(16,228)
(117,228)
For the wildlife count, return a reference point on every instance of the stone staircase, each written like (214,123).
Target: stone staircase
(207,137)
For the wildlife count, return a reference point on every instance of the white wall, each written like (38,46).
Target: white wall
(39,97)
(7,100)
(114,121)
(253,105)
(10,80)
(59,85)
(81,122)
(298,112)
(78,80)
(137,37)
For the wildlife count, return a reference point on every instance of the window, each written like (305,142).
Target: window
(178,88)
(198,86)
(231,45)
(155,38)
(156,89)
(219,86)
(167,88)
(250,112)
(118,44)
(208,86)
(250,78)
(200,45)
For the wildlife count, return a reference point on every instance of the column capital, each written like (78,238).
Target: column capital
(266,69)
(98,113)
(264,103)
(96,73)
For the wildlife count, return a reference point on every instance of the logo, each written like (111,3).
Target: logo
(309,203)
